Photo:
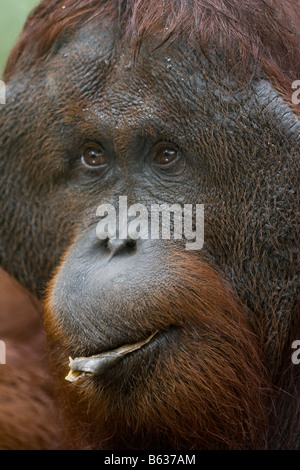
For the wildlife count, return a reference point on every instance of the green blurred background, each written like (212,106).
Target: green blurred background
(13,14)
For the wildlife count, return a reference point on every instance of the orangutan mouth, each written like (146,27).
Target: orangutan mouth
(101,363)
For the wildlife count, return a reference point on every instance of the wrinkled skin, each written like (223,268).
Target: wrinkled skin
(238,156)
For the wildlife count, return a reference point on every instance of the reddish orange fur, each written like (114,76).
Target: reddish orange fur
(28,416)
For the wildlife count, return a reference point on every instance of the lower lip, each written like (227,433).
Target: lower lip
(125,366)
(140,363)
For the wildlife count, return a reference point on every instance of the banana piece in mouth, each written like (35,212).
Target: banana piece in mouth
(101,363)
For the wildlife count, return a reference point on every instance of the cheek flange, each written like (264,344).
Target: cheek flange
(101,363)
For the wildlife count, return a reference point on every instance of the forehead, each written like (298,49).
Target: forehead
(100,66)
(96,75)
(106,55)
(99,80)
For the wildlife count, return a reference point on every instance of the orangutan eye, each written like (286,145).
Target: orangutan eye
(165,154)
(93,157)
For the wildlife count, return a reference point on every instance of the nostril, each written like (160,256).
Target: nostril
(116,245)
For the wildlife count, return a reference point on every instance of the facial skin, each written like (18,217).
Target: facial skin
(229,303)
